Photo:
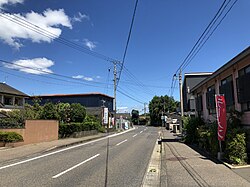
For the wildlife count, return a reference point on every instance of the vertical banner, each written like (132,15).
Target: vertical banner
(221,116)
(105,116)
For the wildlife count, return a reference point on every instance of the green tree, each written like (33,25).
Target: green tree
(77,112)
(135,117)
(159,105)
(49,111)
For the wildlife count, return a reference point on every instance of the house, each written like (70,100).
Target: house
(233,81)
(190,81)
(93,102)
(11,98)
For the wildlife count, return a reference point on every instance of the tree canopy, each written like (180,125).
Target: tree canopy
(161,105)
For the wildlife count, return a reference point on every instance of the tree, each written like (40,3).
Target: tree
(49,111)
(77,112)
(135,117)
(161,105)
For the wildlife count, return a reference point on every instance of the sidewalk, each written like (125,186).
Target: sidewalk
(182,166)
(7,154)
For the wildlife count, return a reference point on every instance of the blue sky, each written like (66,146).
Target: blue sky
(163,34)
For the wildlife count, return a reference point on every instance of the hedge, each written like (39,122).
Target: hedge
(10,137)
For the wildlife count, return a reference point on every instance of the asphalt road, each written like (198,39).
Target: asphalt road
(85,164)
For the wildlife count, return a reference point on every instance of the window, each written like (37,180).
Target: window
(210,96)
(7,100)
(199,106)
(18,101)
(227,90)
(243,89)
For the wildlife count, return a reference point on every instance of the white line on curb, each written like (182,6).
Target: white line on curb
(62,150)
(91,158)
(135,135)
(122,142)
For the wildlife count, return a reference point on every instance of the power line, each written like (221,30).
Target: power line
(130,97)
(35,28)
(210,35)
(202,35)
(76,81)
(199,44)
(127,43)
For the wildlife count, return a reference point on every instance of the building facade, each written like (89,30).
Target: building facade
(190,81)
(232,80)
(11,98)
(93,102)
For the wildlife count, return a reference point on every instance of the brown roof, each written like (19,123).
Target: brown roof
(6,89)
(72,95)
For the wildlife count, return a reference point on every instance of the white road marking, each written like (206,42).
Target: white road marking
(91,158)
(135,135)
(62,150)
(121,142)
(141,132)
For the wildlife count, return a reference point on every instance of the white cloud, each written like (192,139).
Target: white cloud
(88,78)
(50,20)
(83,78)
(91,45)
(11,2)
(98,77)
(32,66)
(80,17)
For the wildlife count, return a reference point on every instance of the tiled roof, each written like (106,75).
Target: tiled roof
(6,89)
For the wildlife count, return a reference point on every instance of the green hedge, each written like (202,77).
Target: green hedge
(235,150)
(10,137)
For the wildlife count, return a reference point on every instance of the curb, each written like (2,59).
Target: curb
(214,159)
(153,173)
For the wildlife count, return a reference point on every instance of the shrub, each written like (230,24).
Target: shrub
(10,137)
(77,113)
(236,146)
(191,127)
(49,111)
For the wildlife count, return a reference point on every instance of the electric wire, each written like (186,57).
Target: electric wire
(202,41)
(35,28)
(127,43)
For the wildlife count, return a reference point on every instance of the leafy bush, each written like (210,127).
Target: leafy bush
(10,137)
(77,113)
(236,146)
(208,138)
(191,127)
(49,111)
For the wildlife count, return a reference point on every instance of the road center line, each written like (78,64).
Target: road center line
(62,150)
(121,142)
(91,158)
(135,135)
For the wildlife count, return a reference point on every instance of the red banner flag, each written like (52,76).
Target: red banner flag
(221,116)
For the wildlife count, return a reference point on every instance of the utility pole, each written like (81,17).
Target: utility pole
(181,99)
(145,109)
(115,79)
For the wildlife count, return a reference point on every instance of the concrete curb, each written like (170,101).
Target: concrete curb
(235,167)
(153,173)
(216,159)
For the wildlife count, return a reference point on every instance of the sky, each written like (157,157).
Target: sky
(163,34)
